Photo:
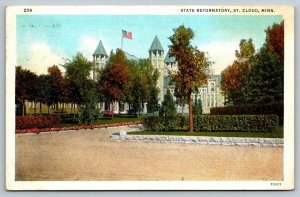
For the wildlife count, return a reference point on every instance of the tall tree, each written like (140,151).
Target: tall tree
(26,87)
(275,39)
(55,84)
(234,76)
(82,88)
(114,78)
(193,66)
(152,103)
(168,105)
(197,107)
(43,91)
(265,79)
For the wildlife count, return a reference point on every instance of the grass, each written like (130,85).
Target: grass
(278,133)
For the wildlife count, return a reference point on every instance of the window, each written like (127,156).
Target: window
(212,87)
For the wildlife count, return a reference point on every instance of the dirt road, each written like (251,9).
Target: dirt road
(92,155)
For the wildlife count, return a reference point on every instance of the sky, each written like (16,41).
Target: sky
(45,40)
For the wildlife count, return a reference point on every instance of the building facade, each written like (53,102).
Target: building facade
(209,94)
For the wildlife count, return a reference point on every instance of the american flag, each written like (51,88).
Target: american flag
(126,34)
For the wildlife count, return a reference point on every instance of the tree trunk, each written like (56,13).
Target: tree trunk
(24,108)
(190,100)
(112,110)
(34,107)
(40,108)
(48,109)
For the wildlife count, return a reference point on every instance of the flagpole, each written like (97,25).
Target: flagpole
(122,41)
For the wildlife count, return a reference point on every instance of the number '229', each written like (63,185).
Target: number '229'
(27,10)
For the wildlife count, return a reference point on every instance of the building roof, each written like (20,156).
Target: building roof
(100,49)
(217,78)
(156,46)
(131,57)
(169,59)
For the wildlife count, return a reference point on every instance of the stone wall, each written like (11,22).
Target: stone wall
(227,141)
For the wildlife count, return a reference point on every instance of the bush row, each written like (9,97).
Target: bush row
(164,123)
(29,122)
(77,127)
(240,123)
(254,109)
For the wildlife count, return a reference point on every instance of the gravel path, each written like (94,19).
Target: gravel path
(93,155)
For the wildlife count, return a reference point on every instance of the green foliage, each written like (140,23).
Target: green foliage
(197,108)
(26,88)
(265,79)
(269,108)
(88,111)
(78,73)
(168,107)
(142,86)
(82,88)
(247,50)
(164,123)
(55,84)
(152,102)
(234,77)
(240,123)
(193,66)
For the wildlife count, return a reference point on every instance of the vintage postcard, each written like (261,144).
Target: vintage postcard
(150,97)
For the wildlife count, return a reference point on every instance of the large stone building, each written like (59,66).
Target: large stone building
(209,94)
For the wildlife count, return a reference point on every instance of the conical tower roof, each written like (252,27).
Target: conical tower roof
(156,46)
(169,59)
(100,49)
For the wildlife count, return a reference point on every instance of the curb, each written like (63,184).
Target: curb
(226,141)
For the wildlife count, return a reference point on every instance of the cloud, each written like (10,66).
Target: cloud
(221,53)
(41,56)
(88,45)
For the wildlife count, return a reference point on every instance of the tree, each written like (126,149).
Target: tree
(152,103)
(197,108)
(55,85)
(265,79)
(78,73)
(275,39)
(193,66)
(168,105)
(234,76)
(115,77)
(82,88)
(43,92)
(26,88)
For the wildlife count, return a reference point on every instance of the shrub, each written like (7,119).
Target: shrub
(240,123)
(164,123)
(29,122)
(253,109)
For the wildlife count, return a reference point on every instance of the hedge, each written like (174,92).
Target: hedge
(164,123)
(251,109)
(239,123)
(29,122)
(77,127)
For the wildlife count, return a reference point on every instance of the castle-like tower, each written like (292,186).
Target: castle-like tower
(99,59)
(156,56)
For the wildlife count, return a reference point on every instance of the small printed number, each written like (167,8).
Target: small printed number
(27,10)
(275,184)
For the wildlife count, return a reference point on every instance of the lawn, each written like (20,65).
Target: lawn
(278,133)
